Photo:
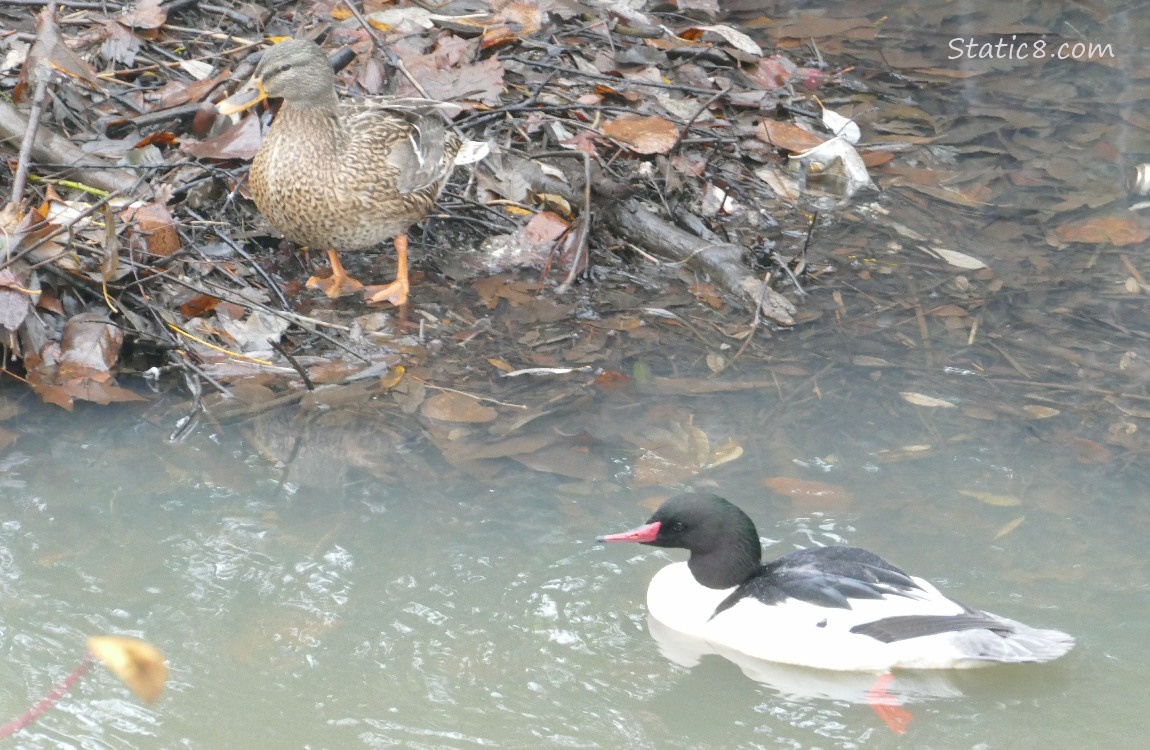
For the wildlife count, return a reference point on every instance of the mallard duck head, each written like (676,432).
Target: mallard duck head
(296,70)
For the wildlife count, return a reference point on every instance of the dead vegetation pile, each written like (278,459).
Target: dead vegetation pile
(631,152)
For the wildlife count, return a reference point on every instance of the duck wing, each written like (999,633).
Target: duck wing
(422,149)
(825,577)
(891,629)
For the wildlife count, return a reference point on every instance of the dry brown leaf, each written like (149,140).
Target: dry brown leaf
(447,75)
(50,47)
(735,38)
(199,305)
(15,301)
(139,664)
(175,93)
(545,227)
(241,141)
(644,135)
(786,135)
(146,14)
(523,16)
(772,73)
(402,20)
(152,229)
(91,341)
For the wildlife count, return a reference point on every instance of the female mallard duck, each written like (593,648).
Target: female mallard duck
(344,175)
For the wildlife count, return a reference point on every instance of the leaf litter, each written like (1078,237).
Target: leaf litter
(641,161)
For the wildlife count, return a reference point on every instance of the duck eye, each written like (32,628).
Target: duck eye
(678,527)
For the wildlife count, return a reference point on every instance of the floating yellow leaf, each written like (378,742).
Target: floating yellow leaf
(1003,501)
(392,377)
(139,664)
(1009,526)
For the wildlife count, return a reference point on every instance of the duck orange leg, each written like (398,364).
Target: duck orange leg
(339,283)
(895,716)
(396,291)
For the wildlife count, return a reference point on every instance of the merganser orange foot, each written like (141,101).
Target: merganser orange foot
(839,608)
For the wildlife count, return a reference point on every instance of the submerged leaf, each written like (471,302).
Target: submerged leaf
(1003,501)
(675,454)
(1112,230)
(1008,527)
(809,493)
(957,259)
(455,407)
(920,399)
(139,664)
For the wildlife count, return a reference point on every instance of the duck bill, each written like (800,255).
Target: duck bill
(645,533)
(246,98)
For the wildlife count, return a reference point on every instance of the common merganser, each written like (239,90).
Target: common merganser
(839,608)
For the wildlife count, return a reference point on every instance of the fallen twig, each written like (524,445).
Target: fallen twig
(722,261)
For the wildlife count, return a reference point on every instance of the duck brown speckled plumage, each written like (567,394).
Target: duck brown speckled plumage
(342,175)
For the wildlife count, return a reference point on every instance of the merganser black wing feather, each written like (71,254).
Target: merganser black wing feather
(891,629)
(826,577)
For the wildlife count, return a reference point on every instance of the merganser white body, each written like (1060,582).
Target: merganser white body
(839,608)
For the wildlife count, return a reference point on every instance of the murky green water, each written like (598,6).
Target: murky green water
(407,618)
(453,615)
